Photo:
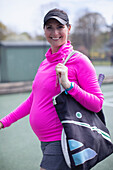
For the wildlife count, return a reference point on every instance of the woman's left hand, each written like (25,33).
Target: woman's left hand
(62,72)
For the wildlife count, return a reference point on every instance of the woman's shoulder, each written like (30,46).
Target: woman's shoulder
(82,58)
(79,57)
(81,62)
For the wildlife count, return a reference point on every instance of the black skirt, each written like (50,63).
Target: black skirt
(53,158)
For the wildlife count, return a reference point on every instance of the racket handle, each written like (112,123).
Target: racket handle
(100,79)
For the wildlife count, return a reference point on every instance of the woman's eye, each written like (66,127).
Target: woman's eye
(48,27)
(60,26)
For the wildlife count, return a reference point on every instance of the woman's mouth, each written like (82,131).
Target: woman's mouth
(55,38)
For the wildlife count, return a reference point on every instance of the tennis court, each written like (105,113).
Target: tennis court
(19,147)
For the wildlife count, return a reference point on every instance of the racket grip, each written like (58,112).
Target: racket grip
(100,79)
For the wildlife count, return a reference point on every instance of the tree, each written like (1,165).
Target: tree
(87,28)
(9,35)
(3,31)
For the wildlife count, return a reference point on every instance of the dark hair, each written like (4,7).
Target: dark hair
(57,14)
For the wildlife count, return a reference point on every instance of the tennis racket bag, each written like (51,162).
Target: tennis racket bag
(85,138)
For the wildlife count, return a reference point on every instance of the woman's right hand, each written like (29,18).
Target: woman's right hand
(1,125)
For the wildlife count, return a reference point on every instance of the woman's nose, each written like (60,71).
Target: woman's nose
(55,31)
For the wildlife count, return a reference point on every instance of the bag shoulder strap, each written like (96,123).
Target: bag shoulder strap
(69,56)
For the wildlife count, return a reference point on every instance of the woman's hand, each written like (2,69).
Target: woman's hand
(62,72)
(1,125)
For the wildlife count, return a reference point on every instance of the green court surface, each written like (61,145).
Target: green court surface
(20,148)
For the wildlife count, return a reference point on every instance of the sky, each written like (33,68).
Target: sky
(27,15)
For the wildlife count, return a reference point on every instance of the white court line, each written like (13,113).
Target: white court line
(108,93)
(108,104)
(109,101)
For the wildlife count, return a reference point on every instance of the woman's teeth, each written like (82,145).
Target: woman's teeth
(55,38)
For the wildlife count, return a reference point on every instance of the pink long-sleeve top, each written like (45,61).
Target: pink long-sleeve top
(43,117)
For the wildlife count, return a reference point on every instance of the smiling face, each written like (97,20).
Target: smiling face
(56,34)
